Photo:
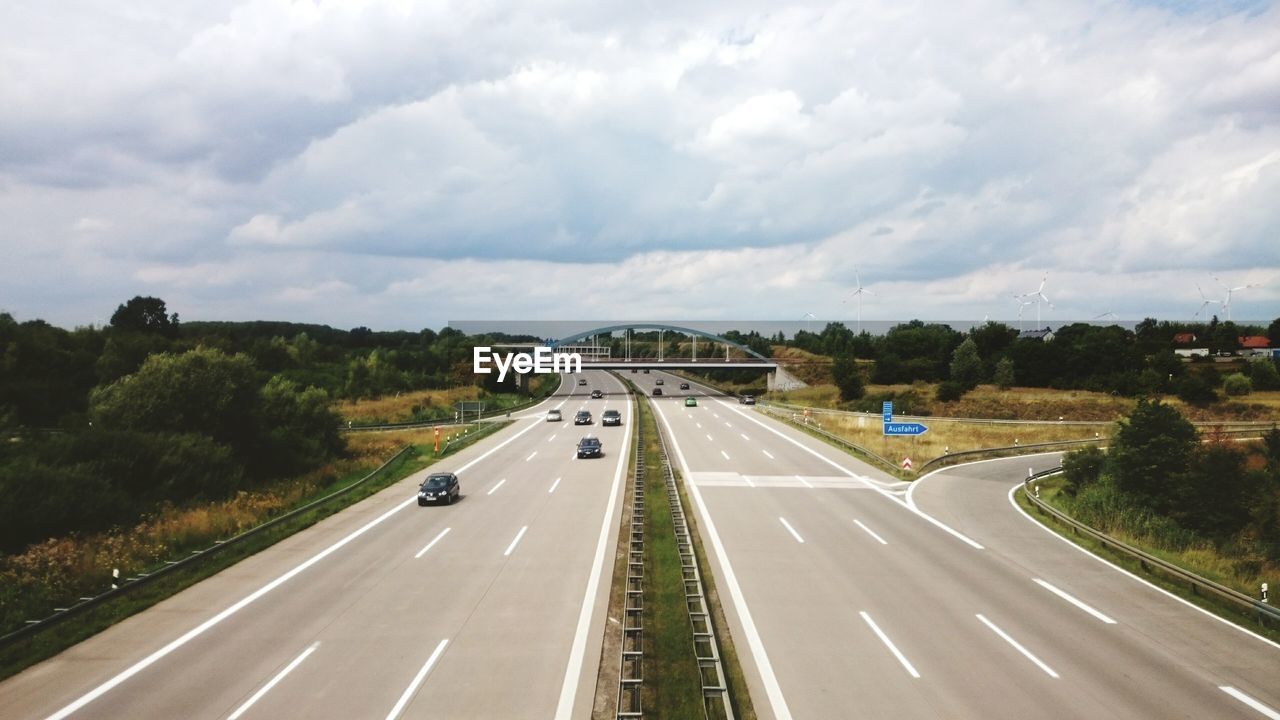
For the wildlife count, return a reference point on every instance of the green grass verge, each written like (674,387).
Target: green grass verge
(672,685)
(1049,487)
(62,635)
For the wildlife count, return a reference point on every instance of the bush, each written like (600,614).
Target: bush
(950,391)
(1263,374)
(1195,389)
(1004,375)
(848,378)
(1236,384)
(1081,468)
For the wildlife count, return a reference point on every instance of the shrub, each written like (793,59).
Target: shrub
(1004,375)
(1263,374)
(1236,384)
(950,391)
(1195,389)
(847,377)
(1081,468)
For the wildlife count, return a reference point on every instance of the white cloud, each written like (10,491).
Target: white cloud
(686,158)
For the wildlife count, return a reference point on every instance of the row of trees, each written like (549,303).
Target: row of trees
(1159,478)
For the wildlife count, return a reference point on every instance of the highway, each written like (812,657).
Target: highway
(849,597)
(493,607)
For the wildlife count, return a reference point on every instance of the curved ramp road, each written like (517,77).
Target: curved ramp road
(492,607)
(847,598)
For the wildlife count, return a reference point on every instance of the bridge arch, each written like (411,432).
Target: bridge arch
(656,326)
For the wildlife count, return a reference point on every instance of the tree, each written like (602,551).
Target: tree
(1195,389)
(203,391)
(1263,374)
(966,366)
(1236,385)
(1004,375)
(145,314)
(1213,495)
(847,377)
(1273,332)
(1081,468)
(950,391)
(1150,450)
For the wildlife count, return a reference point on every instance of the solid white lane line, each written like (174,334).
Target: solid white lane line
(889,644)
(1087,553)
(767,454)
(424,550)
(535,452)
(1263,709)
(554,485)
(272,683)
(1025,652)
(725,454)
(494,489)
(1074,601)
(919,513)
(512,546)
(791,530)
(578,651)
(200,629)
(803,481)
(870,531)
(744,437)
(773,691)
(709,439)
(417,680)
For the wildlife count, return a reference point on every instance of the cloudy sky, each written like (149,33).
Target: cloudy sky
(400,164)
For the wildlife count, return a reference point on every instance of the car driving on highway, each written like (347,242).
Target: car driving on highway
(611,417)
(582,381)
(684,386)
(582,417)
(597,394)
(657,392)
(553,416)
(691,401)
(589,446)
(747,400)
(658,381)
(438,488)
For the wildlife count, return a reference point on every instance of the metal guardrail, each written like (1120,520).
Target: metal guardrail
(130,584)
(630,664)
(791,418)
(715,688)
(1264,613)
(949,458)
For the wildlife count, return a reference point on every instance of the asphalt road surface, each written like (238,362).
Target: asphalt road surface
(847,598)
(490,608)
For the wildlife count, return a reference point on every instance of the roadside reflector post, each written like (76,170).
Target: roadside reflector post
(1037,489)
(1264,593)
(115,575)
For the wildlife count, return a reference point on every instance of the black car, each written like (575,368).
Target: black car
(646,371)
(633,370)
(438,488)
(684,386)
(597,394)
(611,417)
(589,446)
(657,392)
(583,417)
(582,381)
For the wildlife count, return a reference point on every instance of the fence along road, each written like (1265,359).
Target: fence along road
(856,599)
(492,607)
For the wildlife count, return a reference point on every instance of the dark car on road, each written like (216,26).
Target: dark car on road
(611,417)
(438,488)
(597,394)
(657,392)
(582,381)
(589,446)
(684,386)
(583,417)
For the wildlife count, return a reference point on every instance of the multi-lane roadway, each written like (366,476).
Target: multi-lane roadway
(489,608)
(850,597)
(848,594)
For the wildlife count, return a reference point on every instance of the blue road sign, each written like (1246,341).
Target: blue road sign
(893,428)
(886,411)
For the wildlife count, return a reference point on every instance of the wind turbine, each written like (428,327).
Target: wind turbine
(1205,302)
(1226,304)
(859,291)
(1038,295)
(1022,305)
(808,319)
